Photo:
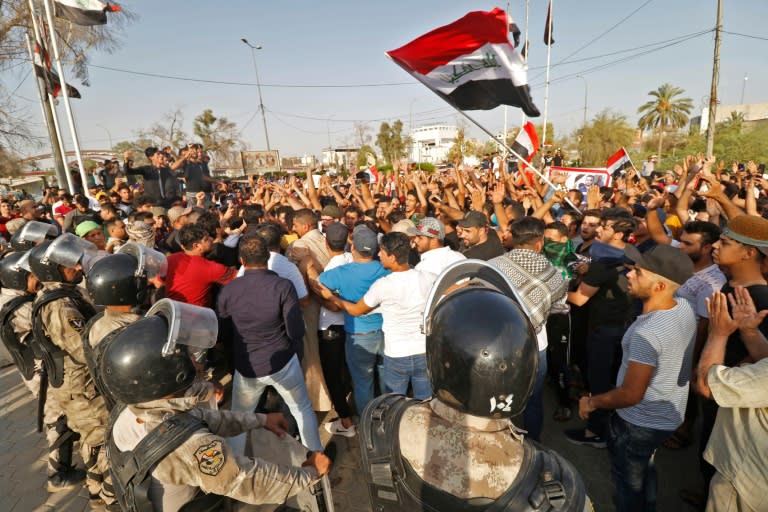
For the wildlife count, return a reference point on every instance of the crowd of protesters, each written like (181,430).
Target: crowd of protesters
(648,296)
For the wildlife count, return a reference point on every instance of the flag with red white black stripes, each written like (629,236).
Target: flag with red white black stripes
(470,63)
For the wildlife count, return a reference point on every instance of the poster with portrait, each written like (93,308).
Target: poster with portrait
(260,162)
(581,178)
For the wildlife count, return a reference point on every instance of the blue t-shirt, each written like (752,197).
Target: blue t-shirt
(350,282)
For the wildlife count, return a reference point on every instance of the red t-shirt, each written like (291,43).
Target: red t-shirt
(190,279)
(62,210)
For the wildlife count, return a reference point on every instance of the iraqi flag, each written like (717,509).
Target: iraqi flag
(84,12)
(618,162)
(527,142)
(51,79)
(549,27)
(470,63)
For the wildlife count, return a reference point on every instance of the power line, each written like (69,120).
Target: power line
(749,36)
(250,84)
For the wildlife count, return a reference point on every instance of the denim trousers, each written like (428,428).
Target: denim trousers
(533,417)
(603,358)
(364,353)
(289,383)
(631,450)
(399,371)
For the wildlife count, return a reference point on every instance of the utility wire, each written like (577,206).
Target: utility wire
(745,35)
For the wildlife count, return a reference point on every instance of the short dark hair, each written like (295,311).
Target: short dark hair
(270,233)
(254,250)
(111,223)
(83,201)
(150,151)
(709,231)
(595,212)
(306,216)
(518,210)
(252,214)
(191,234)
(558,226)
(526,230)
(398,245)
(141,216)
(623,222)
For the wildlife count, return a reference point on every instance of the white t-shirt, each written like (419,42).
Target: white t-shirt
(437,260)
(401,298)
(283,267)
(328,317)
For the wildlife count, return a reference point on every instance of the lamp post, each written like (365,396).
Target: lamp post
(258,86)
(109,135)
(586,90)
(744,88)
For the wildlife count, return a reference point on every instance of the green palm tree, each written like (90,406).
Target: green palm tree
(666,110)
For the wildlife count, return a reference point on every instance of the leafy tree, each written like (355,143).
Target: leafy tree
(462,147)
(666,111)
(362,155)
(735,120)
(600,138)
(391,142)
(219,137)
(137,147)
(734,143)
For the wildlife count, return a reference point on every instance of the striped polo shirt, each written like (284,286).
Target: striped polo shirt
(663,339)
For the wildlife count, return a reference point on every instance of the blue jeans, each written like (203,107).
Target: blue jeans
(603,359)
(631,449)
(364,353)
(399,371)
(533,417)
(289,383)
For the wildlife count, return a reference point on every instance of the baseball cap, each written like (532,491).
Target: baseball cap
(336,232)
(430,227)
(474,219)
(668,262)
(364,241)
(176,212)
(86,227)
(749,230)
(403,226)
(331,210)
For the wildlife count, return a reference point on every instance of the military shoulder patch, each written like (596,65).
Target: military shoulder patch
(76,323)
(210,458)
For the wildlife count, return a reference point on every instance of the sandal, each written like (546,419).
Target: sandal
(562,414)
(680,439)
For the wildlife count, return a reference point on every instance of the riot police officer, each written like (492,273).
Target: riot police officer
(59,315)
(459,451)
(18,291)
(165,441)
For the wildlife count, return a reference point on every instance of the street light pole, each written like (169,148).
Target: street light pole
(744,88)
(111,147)
(258,86)
(585,98)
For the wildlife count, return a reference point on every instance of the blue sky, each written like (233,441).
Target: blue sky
(343,42)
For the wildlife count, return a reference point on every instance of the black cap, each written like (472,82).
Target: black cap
(474,219)
(668,262)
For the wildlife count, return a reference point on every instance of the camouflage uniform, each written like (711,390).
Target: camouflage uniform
(53,416)
(204,461)
(109,322)
(85,409)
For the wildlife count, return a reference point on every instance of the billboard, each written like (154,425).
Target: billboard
(260,162)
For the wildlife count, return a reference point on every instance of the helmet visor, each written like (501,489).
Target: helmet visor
(189,325)
(23,263)
(152,263)
(34,232)
(68,250)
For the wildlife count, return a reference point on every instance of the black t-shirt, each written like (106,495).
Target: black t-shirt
(610,305)
(735,350)
(487,250)
(194,172)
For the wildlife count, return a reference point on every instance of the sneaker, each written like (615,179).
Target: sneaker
(65,480)
(336,428)
(578,436)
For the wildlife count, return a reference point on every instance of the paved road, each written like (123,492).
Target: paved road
(23,454)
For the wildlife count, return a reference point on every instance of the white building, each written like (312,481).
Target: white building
(340,158)
(431,143)
(751,111)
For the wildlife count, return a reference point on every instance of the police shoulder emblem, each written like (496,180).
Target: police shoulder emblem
(210,458)
(76,323)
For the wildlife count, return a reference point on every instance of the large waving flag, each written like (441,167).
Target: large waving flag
(84,12)
(44,71)
(527,142)
(470,63)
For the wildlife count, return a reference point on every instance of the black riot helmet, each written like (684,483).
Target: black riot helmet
(122,279)
(31,234)
(66,250)
(482,352)
(152,358)
(14,270)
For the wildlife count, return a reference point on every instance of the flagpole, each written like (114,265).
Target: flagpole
(506,108)
(65,92)
(46,106)
(549,57)
(527,52)
(47,102)
(630,159)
